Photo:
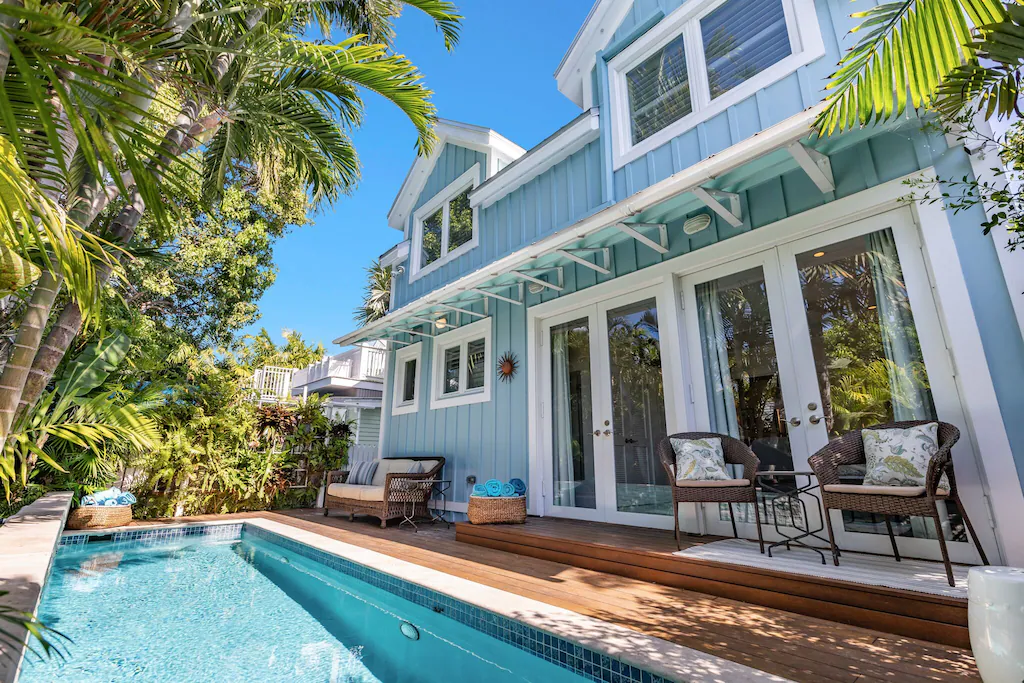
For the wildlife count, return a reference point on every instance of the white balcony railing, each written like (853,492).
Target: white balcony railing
(272,384)
(346,368)
(374,364)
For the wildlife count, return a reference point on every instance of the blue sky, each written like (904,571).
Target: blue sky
(499,76)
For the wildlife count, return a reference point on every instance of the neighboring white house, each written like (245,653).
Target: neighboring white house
(353,381)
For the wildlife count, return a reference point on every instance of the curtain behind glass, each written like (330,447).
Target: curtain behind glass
(561,417)
(717,380)
(911,399)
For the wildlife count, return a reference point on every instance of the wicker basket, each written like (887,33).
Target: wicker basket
(497,510)
(99,517)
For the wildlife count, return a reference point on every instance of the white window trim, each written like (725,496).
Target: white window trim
(402,356)
(468,180)
(804,37)
(461,336)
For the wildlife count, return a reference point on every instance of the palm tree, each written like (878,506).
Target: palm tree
(931,50)
(376,294)
(271,101)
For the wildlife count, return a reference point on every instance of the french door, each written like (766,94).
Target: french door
(817,337)
(603,411)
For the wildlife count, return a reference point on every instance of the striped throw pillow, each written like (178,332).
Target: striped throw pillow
(362,472)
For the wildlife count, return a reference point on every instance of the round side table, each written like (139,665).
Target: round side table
(995,619)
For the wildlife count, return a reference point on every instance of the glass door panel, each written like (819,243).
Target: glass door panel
(574,480)
(868,360)
(638,409)
(741,368)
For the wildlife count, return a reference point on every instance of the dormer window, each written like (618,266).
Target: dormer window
(445,227)
(704,57)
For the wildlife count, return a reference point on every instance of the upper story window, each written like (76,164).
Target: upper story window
(446,226)
(406,389)
(462,358)
(704,57)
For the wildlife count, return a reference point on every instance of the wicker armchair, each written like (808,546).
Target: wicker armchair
(736,453)
(399,492)
(849,450)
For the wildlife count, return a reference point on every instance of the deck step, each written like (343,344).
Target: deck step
(646,555)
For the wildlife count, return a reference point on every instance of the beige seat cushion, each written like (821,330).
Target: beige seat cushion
(711,483)
(870,490)
(371,494)
(387,466)
(350,491)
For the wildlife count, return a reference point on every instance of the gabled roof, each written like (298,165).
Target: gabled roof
(497,148)
(597,30)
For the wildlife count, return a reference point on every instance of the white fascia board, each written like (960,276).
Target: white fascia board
(539,159)
(597,31)
(796,127)
(457,133)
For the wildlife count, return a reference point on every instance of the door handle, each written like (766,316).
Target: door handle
(597,432)
(607,432)
(795,421)
(814,419)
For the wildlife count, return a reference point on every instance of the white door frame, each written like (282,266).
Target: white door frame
(1001,488)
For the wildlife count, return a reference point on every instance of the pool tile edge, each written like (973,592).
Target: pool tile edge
(651,654)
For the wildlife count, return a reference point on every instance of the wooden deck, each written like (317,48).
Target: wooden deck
(647,555)
(797,647)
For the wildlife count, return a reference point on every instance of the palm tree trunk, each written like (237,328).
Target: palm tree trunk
(177,141)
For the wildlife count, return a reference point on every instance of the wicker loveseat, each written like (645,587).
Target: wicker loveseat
(390,493)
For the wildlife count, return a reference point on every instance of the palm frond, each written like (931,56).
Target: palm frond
(905,51)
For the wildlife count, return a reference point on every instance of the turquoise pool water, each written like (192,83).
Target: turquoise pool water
(252,610)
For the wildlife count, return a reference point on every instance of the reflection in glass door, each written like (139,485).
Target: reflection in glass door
(572,443)
(867,355)
(638,409)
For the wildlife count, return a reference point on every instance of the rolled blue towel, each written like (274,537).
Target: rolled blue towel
(132,500)
(109,502)
(88,500)
(508,490)
(123,500)
(110,494)
(480,490)
(493,487)
(519,485)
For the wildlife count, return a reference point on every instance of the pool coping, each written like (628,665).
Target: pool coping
(29,539)
(648,653)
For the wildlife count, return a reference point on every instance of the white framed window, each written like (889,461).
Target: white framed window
(462,366)
(446,226)
(702,58)
(405,394)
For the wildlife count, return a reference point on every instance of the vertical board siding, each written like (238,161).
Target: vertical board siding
(490,439)
(553,200)
(765,108)
(484,440)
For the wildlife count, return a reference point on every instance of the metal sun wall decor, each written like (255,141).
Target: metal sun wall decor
(508,366)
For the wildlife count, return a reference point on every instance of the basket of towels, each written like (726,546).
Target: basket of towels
(102,510)
(495,502)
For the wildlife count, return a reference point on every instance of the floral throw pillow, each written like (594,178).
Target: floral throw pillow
(700,459)
(900,457)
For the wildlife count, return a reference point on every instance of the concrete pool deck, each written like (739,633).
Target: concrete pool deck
(28,542)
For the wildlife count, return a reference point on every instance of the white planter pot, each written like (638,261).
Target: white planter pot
(995,618)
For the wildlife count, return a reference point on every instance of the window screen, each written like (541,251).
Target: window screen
(475,364)
(742,38)
(451,370)
(460,221)
(409,381)
(659,91)
(432,237)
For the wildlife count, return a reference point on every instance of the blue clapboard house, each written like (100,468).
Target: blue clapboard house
(685,255)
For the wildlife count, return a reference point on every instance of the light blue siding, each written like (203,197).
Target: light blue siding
(553,200)
(490,439)
(482,439)
(777,102)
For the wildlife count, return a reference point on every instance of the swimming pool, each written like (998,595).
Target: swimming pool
(239,603)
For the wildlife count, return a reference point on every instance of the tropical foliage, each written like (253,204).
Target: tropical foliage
(108,110)
(939,54)
(376,294)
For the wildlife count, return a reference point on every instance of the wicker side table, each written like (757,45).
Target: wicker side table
(487,510)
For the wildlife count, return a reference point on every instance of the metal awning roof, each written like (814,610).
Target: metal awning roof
(712,183)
